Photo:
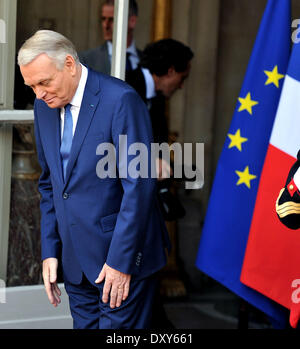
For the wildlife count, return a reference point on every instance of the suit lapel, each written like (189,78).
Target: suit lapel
(88,107)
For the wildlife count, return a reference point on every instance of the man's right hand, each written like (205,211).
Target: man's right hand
(50,276)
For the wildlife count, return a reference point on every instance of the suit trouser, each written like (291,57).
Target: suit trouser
(89,312)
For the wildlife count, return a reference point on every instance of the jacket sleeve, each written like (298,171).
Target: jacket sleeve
(131,121)
(50,240)
(288,201)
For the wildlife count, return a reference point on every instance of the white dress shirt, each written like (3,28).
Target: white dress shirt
(76,101)
(150,85)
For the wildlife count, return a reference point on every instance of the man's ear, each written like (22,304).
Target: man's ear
(132,20)
(70,64)
(171,70)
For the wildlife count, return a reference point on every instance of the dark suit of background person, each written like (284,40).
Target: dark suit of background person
(153,84)
(288,201)
(90,221)
(164,66)
(99,58)
(156,104)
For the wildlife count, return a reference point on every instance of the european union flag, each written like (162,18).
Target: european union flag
(228,219)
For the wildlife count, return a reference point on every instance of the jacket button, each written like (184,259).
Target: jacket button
(66,196)
(291,187)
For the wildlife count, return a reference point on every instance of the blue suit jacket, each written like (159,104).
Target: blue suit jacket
(88,221)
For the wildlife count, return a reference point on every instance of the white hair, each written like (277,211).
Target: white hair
(48,42)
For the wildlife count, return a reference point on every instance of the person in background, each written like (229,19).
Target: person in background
(99,58)
(163,69)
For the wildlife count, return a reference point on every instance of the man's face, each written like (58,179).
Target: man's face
(107,21)
(173,81)
(55,87)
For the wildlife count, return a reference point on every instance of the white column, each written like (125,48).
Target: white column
(118,64)
(8,11)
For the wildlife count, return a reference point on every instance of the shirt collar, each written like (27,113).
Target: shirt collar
(131,49)
(150,85)
(109,48)
(77,98)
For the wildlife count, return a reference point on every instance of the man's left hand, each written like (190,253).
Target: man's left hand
(116,285)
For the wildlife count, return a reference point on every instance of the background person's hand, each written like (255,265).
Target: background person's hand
(163,169)
(116,285)
(50,276)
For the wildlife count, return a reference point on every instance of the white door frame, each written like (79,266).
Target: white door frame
(8,14)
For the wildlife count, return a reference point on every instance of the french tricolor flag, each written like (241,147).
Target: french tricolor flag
(272,260)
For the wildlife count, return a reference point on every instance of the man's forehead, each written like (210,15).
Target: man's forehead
(107,11)
(41,68)
(187,71)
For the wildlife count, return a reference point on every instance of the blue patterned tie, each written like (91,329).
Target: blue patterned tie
(66,142)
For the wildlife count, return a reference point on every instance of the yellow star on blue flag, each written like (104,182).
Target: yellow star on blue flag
(273,77)
(247,103)
(237,140)
(245,177)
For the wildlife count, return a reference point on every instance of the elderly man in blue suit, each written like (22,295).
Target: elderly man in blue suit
(108,233)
